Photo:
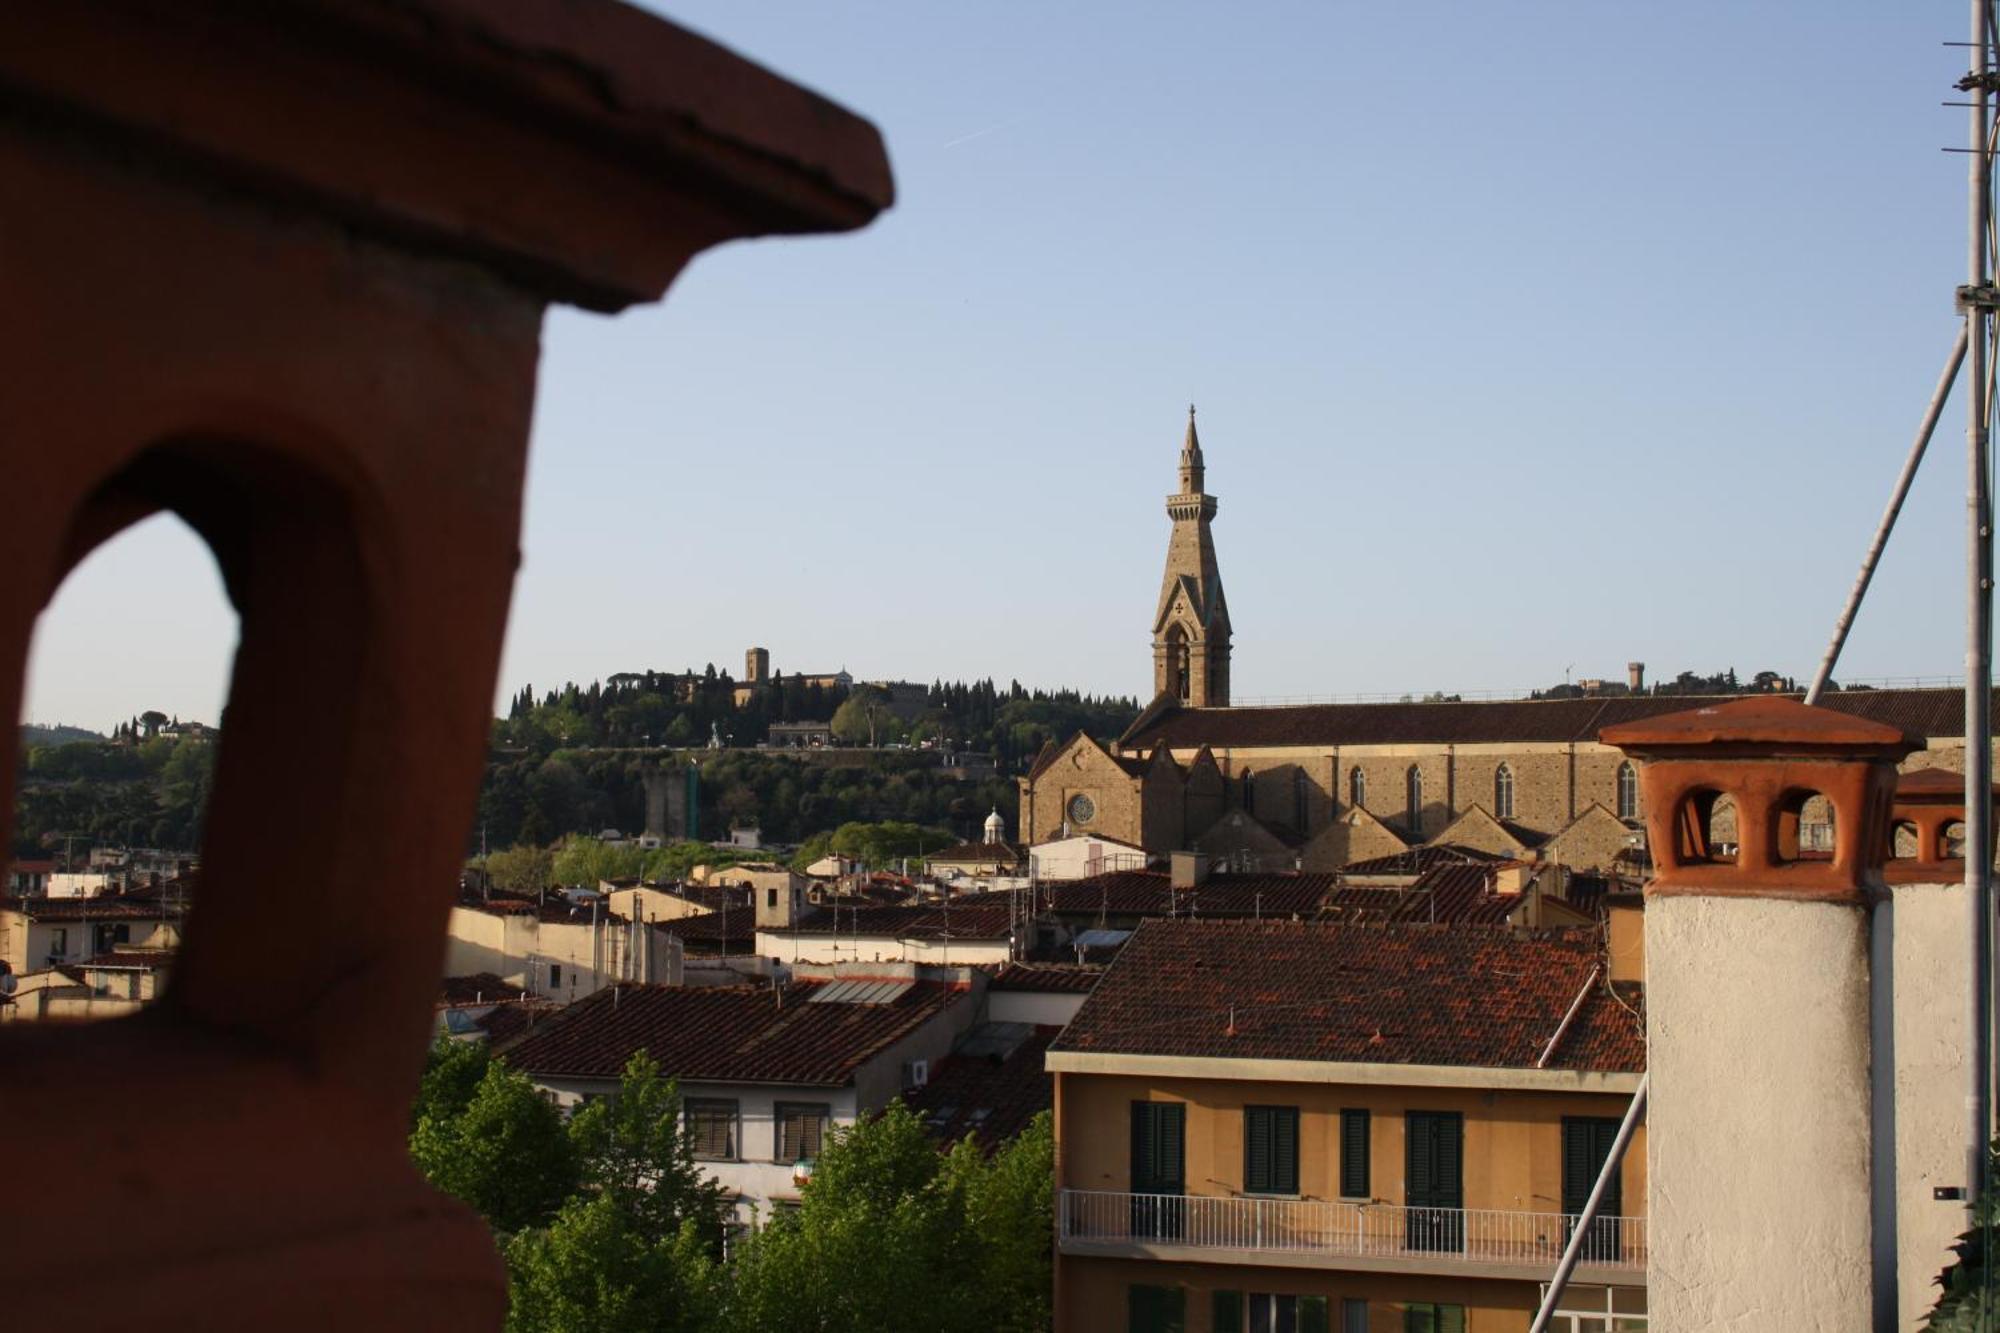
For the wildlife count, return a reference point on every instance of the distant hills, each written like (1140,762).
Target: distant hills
(35,734)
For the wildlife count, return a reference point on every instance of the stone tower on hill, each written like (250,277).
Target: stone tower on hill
(1191,628)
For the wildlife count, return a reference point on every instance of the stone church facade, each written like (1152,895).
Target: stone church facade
(1318,786)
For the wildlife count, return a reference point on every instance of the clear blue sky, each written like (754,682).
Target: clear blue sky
(1524,335)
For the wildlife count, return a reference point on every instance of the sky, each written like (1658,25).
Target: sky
(1528,339)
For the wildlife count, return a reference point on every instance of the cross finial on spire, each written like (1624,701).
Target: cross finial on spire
(1190,411)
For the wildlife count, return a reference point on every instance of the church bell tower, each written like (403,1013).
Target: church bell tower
(1191,628)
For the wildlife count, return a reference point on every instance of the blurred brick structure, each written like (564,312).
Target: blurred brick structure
(280,268)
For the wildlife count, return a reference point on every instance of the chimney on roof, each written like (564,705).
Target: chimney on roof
(1635,677)
(1511,878)
(1188,870)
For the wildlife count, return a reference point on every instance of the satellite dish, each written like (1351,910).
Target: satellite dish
(8,982)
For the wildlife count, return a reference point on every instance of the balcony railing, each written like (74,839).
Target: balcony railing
(1362,1230)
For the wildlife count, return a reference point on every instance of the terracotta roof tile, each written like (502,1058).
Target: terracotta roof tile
(1459,995)
(1417,860)
(1067,978)
(732,1034)
(990,1088)
(979,916)
(1150,893)
(1915,712)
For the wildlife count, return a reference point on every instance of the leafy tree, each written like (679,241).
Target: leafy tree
(585,861)
(865,718)
(884,1215)
(634,1153)
(593,1271)
(521,870)
(506,1153)
(452,1074)
(1963,1306)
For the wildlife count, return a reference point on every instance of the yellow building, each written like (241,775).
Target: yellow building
(1267,1126)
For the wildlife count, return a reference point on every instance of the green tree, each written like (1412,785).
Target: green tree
(1009,1199)
(506,1153)
(1963,1305)
(522,870)
(452,1074)
(865,718)
(592,1271)
(882,1219)
(633,1151)
(585,861)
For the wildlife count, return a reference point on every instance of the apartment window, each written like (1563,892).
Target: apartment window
(1272,1313)
(1433,1317)
(1503,792)
(1271,1150)
(1301,790)
(771,899)
(1155,1309)
(1357,787)
(1413,799)
(801,1131)
(555,976)
(59,942)
(1354,1130)
(1353,1316)
(1628,792)
(711,1128)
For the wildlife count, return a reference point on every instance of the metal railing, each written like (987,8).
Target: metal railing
(1370,1230)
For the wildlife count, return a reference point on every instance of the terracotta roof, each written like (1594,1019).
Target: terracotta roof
(479,988)
(119,908)
(1067,978)
(1434,995)
(726,1034)
(1915,712)
(1937,782)
(1449,893)
(980,916)
(138,958)
(990,1087)
(1766,720)
(1417,860)
(553,909)
(1149,893)
(733,926)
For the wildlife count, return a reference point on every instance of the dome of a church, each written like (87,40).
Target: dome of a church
(996,828)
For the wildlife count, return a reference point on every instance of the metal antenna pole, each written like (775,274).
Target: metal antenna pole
(1580,1235)
(1979,626)
(1889,515)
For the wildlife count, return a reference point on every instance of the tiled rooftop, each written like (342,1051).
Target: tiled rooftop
(985,916)
(1418,859)
(1917,712)
(726,1034)
(1461,995)
(990,1087)
(1065,978)
(1449,893)
(1131,893)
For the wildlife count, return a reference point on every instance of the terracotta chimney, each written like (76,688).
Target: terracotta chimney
(1757,1005)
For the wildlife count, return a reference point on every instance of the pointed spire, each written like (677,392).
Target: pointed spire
(1191,465)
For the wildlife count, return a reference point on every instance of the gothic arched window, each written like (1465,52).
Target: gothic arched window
(1628,792)
(1249,781)
(1413,799)
(1357,788)
(1503,792)
(1300,791)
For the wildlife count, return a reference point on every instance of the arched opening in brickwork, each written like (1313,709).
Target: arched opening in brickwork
(1357,788)
(1804,827)
(1177,683)
(1905,841)
(1628,791)
(1301,799)
(1413,800)
(1951,841)
(1249,784)
(1503,792)
(1705,828)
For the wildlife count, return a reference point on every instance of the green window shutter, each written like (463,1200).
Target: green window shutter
(1354,1154)
(1576,1164)
(1172,1147)
(1451,1319)
(1226,1312)
(1285,1150)
(1258,1172)
(1155,1309)
(1143,1151)
(1418,1317)
(1421,1151)
(1175,1311)
(1312,1315)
